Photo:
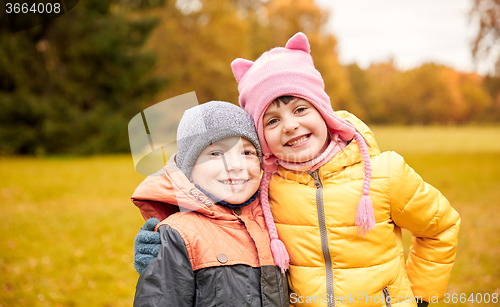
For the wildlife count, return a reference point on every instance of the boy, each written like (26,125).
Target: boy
(215,247)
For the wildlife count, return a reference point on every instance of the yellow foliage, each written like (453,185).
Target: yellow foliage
(195,48)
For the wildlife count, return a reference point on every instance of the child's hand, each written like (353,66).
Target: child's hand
(147,244)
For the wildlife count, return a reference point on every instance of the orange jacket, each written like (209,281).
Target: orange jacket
(210,255)
(208,229)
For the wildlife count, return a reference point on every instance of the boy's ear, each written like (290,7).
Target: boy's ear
(240,67)
(299,42)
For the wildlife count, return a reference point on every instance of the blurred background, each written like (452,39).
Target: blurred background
(425,75)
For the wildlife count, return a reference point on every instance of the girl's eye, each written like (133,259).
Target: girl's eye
(250,153)
(300,109)
(272,121)
(216,154)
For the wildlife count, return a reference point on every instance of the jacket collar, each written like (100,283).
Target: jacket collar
(170,188)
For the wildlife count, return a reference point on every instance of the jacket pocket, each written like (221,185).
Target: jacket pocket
(387,297)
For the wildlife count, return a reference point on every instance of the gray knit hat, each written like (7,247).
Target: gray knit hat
(208,123)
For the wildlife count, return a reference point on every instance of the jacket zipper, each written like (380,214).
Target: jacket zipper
(387,297)
(324,238)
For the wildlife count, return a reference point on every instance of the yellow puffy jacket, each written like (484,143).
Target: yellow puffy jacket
(330,264)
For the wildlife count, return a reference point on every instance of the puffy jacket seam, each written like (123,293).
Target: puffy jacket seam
(454,224)
(403,209)
(361,267)
(435,262)
(431,224)
(434,218)
(370,266)
(228,226)
(330,227)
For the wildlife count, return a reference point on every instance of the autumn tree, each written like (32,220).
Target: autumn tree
(367,92)
(289,17)
(429,94)
(486,44)
(197,40)
(71,85)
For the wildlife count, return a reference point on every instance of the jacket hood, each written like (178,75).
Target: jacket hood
(169,191)
(351,153)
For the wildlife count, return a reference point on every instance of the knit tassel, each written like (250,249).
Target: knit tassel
(280,254)
(365,219)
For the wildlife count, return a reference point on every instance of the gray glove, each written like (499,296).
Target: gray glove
(147,245)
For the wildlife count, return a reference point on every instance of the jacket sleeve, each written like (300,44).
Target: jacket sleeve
(434,224)
(168,280)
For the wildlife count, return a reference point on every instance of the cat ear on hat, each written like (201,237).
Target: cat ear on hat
(299,42)
(240,67)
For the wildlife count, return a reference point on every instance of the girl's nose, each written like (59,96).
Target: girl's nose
(289,125)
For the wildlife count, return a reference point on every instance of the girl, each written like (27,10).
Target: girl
(215,248)
(338,203)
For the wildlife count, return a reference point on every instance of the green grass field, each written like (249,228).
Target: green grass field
(68,224)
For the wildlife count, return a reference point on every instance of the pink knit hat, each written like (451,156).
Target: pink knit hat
(290,71)
(285,71)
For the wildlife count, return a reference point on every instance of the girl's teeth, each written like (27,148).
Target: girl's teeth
(302,139)
(233,181)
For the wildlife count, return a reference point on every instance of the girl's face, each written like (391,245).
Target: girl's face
(228,169)
(295,132)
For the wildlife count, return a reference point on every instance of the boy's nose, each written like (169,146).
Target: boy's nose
(234,163)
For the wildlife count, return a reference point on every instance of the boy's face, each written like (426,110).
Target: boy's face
(295,131)
(228,169)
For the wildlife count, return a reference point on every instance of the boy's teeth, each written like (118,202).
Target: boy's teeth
(241,181)
(302,139)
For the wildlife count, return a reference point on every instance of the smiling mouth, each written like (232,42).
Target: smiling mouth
(233,181)
(301,140)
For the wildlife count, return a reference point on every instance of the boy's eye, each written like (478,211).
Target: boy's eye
(216,153)
(250,153)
